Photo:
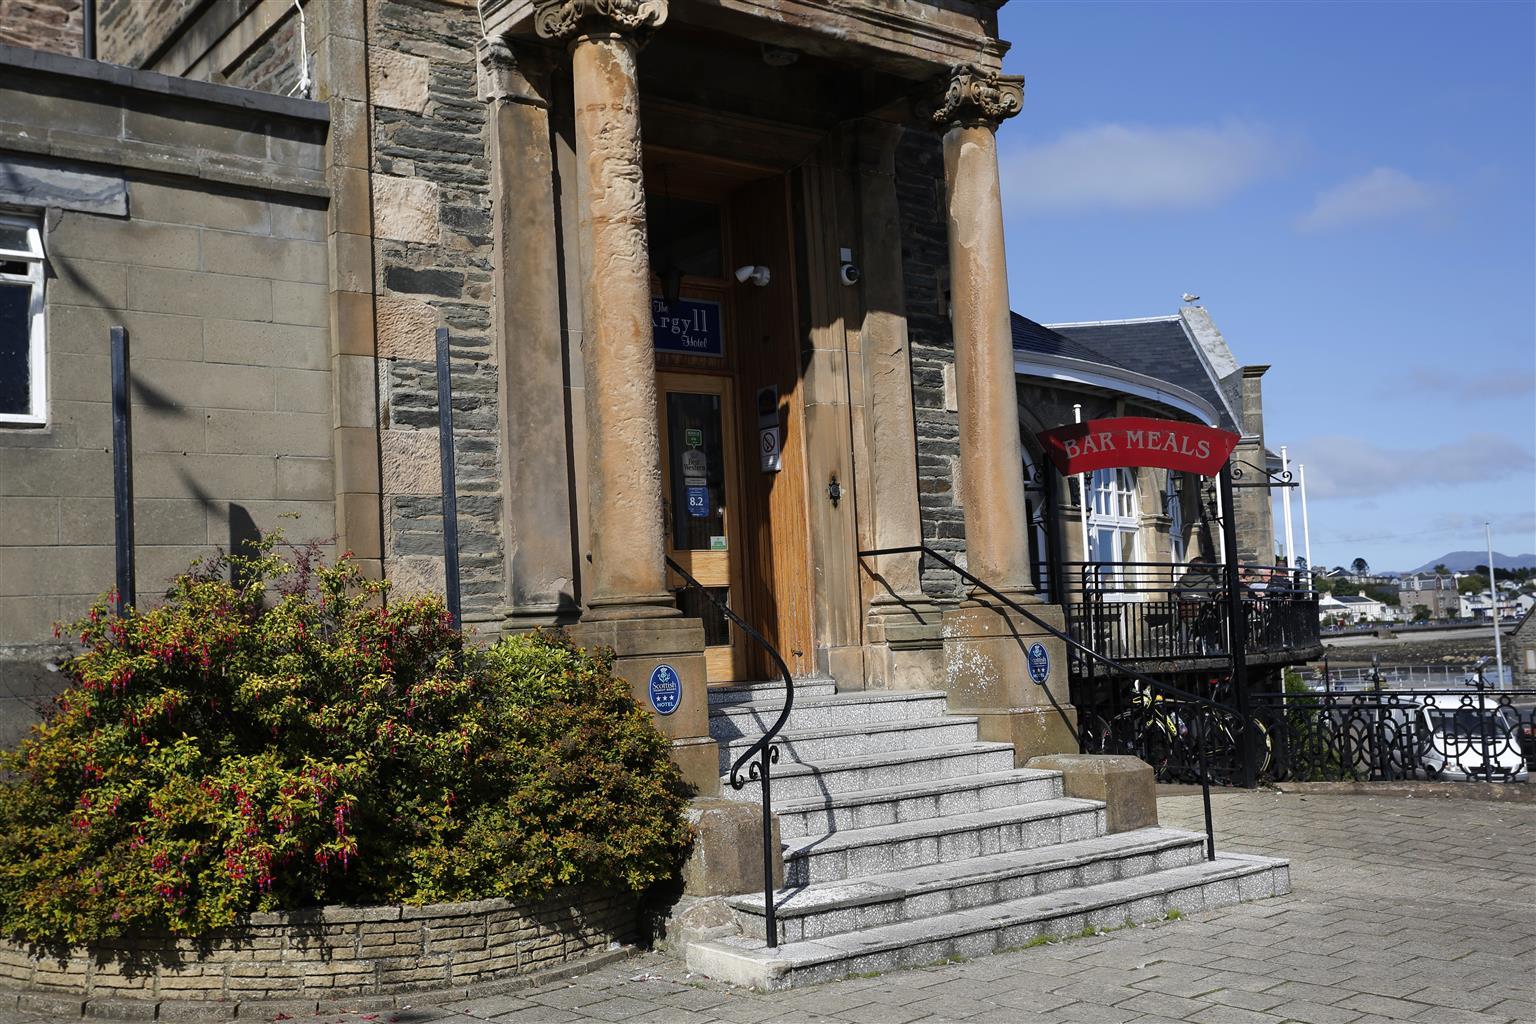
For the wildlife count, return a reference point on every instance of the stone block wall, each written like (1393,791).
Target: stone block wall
(925,273)
(432,222)
(305,960)
(129,32)
(221,287)
(53,25)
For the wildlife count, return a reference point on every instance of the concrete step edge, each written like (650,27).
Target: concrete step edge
(822,897)
(902,831)
(744,961)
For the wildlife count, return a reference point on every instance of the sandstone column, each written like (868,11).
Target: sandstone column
(530,343)
(628,606)
(902,623)
(990,650)
(626,575)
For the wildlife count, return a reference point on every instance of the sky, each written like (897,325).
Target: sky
(1351,189)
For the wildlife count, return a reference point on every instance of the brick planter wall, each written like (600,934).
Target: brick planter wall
(313,956)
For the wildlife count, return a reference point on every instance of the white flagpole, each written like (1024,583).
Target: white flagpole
(1493,588)
(1306,528)
(1285,503)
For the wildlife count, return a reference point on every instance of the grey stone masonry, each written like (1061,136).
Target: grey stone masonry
(432,199)
(925,274)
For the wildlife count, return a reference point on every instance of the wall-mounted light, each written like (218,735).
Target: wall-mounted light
(750,274)
(834,491)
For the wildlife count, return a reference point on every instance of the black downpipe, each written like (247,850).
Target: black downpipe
(88,29)
(449,483)
(122,469)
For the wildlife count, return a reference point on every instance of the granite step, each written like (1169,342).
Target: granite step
(768,692)
(835,776)
(731,719)
(858,853)
(931,798)
(853,740)
(871,901)
(978,931)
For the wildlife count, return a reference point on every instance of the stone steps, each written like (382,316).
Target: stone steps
(869,851)
(915,801)
(853,740)
(978,931)
(800,781)
(731,719)
(906,841)
(871,901)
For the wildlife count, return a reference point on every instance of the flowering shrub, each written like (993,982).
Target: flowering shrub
(290,739)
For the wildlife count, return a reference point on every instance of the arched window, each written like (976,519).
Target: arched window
(1116,516)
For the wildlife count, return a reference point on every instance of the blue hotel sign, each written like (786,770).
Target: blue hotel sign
(689,326)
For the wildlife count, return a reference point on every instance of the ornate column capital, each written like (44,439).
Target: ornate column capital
(567,19)
(976,95)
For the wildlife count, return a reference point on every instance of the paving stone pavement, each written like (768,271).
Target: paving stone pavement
(1403,909)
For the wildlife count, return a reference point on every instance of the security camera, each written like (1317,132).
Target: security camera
(848,274)
(759,276)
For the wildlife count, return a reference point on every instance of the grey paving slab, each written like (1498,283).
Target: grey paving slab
(1401,910)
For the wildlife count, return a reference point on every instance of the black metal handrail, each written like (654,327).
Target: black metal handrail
(765,750)
(1084,651)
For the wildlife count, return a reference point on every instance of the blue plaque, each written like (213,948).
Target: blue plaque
(689,326)
(698,502)
(666,689)
(1039,663)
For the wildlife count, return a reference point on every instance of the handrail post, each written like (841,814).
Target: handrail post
(1237,630)
(764,748)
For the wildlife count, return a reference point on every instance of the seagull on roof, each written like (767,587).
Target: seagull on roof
(1190,298)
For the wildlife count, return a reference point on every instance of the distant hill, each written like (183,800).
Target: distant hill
(1463,561)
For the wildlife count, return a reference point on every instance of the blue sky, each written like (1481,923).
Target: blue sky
(1351,189)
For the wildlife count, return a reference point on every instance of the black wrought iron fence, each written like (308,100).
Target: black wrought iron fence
(1154,611)
(1480,734)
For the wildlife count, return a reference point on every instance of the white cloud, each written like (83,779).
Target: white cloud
(1468,387)
(1351,467)
(1139,167)
(1382,194)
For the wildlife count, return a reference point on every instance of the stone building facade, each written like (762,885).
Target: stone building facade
(192,215)
(553,182)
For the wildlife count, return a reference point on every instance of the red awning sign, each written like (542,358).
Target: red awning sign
(1138,441)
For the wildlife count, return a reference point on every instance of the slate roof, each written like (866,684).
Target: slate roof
(1158,347)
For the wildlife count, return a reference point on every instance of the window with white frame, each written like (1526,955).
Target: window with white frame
(1116,519)
(1173,503)
(23,375)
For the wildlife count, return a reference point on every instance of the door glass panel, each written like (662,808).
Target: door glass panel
(696,454)
(717,628)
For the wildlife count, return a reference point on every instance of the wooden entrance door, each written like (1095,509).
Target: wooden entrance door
(700,477)
(749,543)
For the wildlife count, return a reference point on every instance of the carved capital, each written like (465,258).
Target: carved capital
(504,78)
(567,19)
(975,95)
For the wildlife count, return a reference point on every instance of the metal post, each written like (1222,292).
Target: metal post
(449,485)
(88,29)
(1237,628)
(1285,505)
(1084,499)
(122,469)
(1493,589)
